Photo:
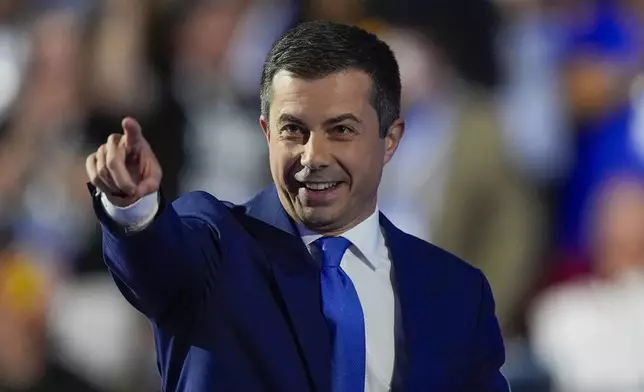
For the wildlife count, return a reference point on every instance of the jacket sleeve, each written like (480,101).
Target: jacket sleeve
(166,267)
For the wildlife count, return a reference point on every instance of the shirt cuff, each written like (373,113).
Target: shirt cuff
(134,217)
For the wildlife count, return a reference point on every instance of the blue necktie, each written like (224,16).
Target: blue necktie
(343,312)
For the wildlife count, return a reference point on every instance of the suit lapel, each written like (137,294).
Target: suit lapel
(298,280)
(417,283)
(417,280)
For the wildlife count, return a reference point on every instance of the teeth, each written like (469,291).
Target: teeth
(319,186)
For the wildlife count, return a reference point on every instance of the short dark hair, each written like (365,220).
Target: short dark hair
(313,50)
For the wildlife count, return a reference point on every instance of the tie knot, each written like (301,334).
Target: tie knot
(332,249)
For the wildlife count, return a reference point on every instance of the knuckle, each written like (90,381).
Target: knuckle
(103,172)
(111,163)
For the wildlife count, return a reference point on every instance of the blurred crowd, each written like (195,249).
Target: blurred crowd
(523,154)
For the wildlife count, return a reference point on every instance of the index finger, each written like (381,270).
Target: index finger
(132,131)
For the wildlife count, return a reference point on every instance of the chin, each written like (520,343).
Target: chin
(319,217)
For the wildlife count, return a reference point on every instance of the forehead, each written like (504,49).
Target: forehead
(341,92)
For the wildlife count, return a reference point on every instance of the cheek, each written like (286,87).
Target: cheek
(364,168)
(281,160)
(274,161)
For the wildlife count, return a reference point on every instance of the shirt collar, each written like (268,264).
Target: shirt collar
(365,238)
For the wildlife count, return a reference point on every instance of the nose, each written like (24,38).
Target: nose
(316,152)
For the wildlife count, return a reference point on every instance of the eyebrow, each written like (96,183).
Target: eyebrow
(333,120)
(290,119)
(342,117)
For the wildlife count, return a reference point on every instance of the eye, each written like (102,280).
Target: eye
(291,128)
(343,130)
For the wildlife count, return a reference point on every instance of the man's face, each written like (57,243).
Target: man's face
(326,154)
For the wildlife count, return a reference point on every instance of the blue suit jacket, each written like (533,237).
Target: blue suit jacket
(234,299)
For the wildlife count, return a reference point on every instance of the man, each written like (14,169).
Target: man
(307,287)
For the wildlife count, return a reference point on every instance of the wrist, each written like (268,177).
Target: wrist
(134,216)
(121,200)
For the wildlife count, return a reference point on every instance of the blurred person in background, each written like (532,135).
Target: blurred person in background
(412,187)
(603,63)
(534,111)
(589,332)
(46,127)
(535,115)
(27,362)
(491,212)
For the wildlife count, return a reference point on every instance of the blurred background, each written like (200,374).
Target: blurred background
(524,154)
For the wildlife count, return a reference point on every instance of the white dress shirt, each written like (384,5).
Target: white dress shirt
(366,262)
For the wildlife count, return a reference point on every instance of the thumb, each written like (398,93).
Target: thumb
(132,131)
(146,187)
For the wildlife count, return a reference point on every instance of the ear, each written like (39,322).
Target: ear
(393,138)
(264,124)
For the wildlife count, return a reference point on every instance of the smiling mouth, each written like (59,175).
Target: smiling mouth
(319,194)
(319,186)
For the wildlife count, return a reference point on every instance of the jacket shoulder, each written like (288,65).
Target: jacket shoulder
(450,266)
(202,205)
